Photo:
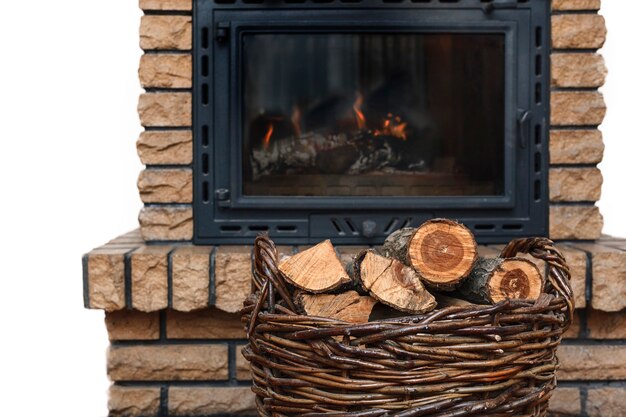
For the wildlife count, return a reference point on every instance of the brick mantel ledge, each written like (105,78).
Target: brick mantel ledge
(127,273)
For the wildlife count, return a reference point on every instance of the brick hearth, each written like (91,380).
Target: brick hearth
(171,314)
(171,307)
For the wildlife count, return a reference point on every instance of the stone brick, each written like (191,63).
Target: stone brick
(166,185)
(602,325)
(168,363)
(575,184)
(576,146)
(577,108)
(575,222)
(573,332)
(165,4)
(591,362)
(165,109)
(577,261)
(167,147)
(578,70)
(149,278)
(165,71)
(606,402)
(190,278)
(209,323)
(575,4)
(134,401)
(165,32)
(105,272)
(609,277)
(201,401)
(233,275)
(243,366)
(132,325)
(578,31)
(565,402)
(166,223)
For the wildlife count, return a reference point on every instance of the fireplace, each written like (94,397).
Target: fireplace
(172,305)
(348,120)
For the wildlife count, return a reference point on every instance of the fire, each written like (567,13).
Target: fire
(268,135)
(393,126)
(296,115)
(360,117)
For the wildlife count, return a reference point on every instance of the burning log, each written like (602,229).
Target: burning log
(349,146)
(495,280)
(334,154)
(316,270)
(391,282)
(348,306)
(442,252)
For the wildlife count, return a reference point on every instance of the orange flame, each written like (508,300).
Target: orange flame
(268,135)
(393,127)
(360,118)
(296,115)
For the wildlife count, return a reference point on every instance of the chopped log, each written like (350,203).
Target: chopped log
(316,270)
(498,279)
(392,283)
(442,251)
(348,306)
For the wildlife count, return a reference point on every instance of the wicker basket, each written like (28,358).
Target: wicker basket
(458,361)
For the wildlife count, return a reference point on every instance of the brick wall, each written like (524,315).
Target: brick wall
(577,109)
(177,364)
(171,363)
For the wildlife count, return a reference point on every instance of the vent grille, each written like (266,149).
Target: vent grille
(443,2)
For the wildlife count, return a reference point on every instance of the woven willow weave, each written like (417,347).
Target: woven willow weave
(494,360)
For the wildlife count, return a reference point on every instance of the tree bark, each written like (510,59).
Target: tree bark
(498,279)
(442,251)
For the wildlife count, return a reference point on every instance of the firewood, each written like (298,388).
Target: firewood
(498,279)
(345,153)
(348,306)
(316,270)
(392,283)
(442,251)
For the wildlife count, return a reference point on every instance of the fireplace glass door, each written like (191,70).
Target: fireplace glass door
(373,114)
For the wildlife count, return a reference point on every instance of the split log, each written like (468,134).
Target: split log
(498,279)
(392,283)
(316,270)
(442,251)
(348,306)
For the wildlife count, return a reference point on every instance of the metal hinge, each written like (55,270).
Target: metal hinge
(222,32)
(222,196)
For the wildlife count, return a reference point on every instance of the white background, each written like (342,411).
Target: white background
(68,125)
